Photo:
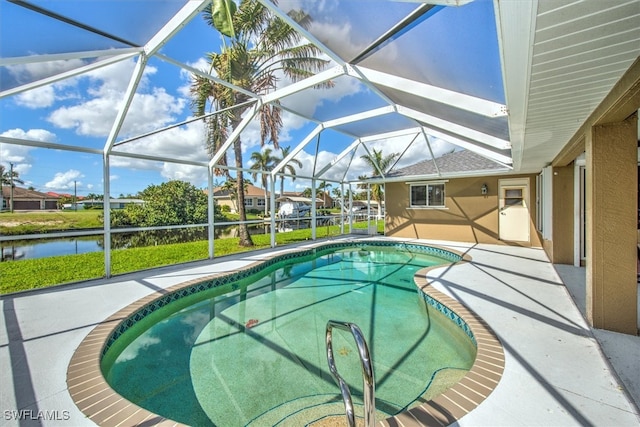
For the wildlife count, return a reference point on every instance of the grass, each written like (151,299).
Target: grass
(43,272)
(40,222)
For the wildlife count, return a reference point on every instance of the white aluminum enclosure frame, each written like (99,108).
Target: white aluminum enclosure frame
(424,124)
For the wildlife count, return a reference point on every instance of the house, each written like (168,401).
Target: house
(464,197)
(254,198)
(113,203)
(24,199)
(323,199)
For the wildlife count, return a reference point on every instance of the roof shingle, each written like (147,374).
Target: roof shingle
(449,164)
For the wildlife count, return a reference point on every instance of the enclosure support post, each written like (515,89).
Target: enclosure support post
(211,213)
(350,209)
(272,209)
(342,212)
(313,210)
(368,208)
(106,212)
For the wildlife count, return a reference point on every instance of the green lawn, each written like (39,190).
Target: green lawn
(37,222)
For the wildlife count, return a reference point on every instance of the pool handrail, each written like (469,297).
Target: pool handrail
(367,373)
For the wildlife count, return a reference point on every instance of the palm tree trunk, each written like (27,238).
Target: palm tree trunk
(243,231)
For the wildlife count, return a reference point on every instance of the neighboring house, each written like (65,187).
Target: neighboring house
(253,198)
(464,197)
(323,201)
(24,199)
(327,201)
(113,203)
(60,195)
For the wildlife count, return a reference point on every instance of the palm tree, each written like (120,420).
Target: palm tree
(259,46)
(231,187)
(9,177)
(323,190)
(288,167)
(378,163)
(263,161)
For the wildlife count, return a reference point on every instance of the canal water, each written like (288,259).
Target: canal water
(43,248)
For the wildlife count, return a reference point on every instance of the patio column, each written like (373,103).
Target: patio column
(562,218)
(611,217)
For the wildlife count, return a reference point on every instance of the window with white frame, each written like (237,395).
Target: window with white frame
(426,195)
(260,202)
(248,201)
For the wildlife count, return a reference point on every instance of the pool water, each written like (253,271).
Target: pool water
(253,352)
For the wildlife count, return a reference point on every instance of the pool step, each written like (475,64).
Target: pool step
(309,411)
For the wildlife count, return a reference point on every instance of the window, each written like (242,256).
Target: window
(248,201)
(260,202)
(427,195)
(513,197)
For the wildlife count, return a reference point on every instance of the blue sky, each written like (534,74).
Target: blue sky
(79,111)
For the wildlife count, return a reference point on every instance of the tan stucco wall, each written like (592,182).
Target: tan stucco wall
(226,202)
(560,248)
(611,204)
(469,216)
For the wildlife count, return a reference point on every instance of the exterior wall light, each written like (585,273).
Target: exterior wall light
(484,189)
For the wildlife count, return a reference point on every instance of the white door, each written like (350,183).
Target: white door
(513,206)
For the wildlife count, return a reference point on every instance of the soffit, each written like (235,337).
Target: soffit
(580,50)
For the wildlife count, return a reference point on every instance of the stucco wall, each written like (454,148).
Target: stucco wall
(562,245)
(469,216)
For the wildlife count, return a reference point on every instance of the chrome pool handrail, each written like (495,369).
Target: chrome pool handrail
(367,373)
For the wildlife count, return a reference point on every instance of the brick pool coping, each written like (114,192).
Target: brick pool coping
(103,405)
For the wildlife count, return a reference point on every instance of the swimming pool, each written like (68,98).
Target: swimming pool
(253,341)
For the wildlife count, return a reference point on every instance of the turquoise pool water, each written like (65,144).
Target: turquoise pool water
(252,352)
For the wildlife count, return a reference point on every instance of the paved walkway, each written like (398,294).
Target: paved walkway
(555,371)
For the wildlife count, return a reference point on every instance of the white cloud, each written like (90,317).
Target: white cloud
(65,180)
(151,108)
(26,73)
(20,155)
(41,97)
(31,134)
(116,78)
(194,175)
(44,96)
(184,143)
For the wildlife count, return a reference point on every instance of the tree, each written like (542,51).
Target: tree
(9,177)
(288,167)
(259,46)
(170,203)
(378,163)
(323,191)
(94,196)
(231,187)
(263,161)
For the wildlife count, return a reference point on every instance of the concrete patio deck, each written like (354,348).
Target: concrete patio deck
(558,371)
